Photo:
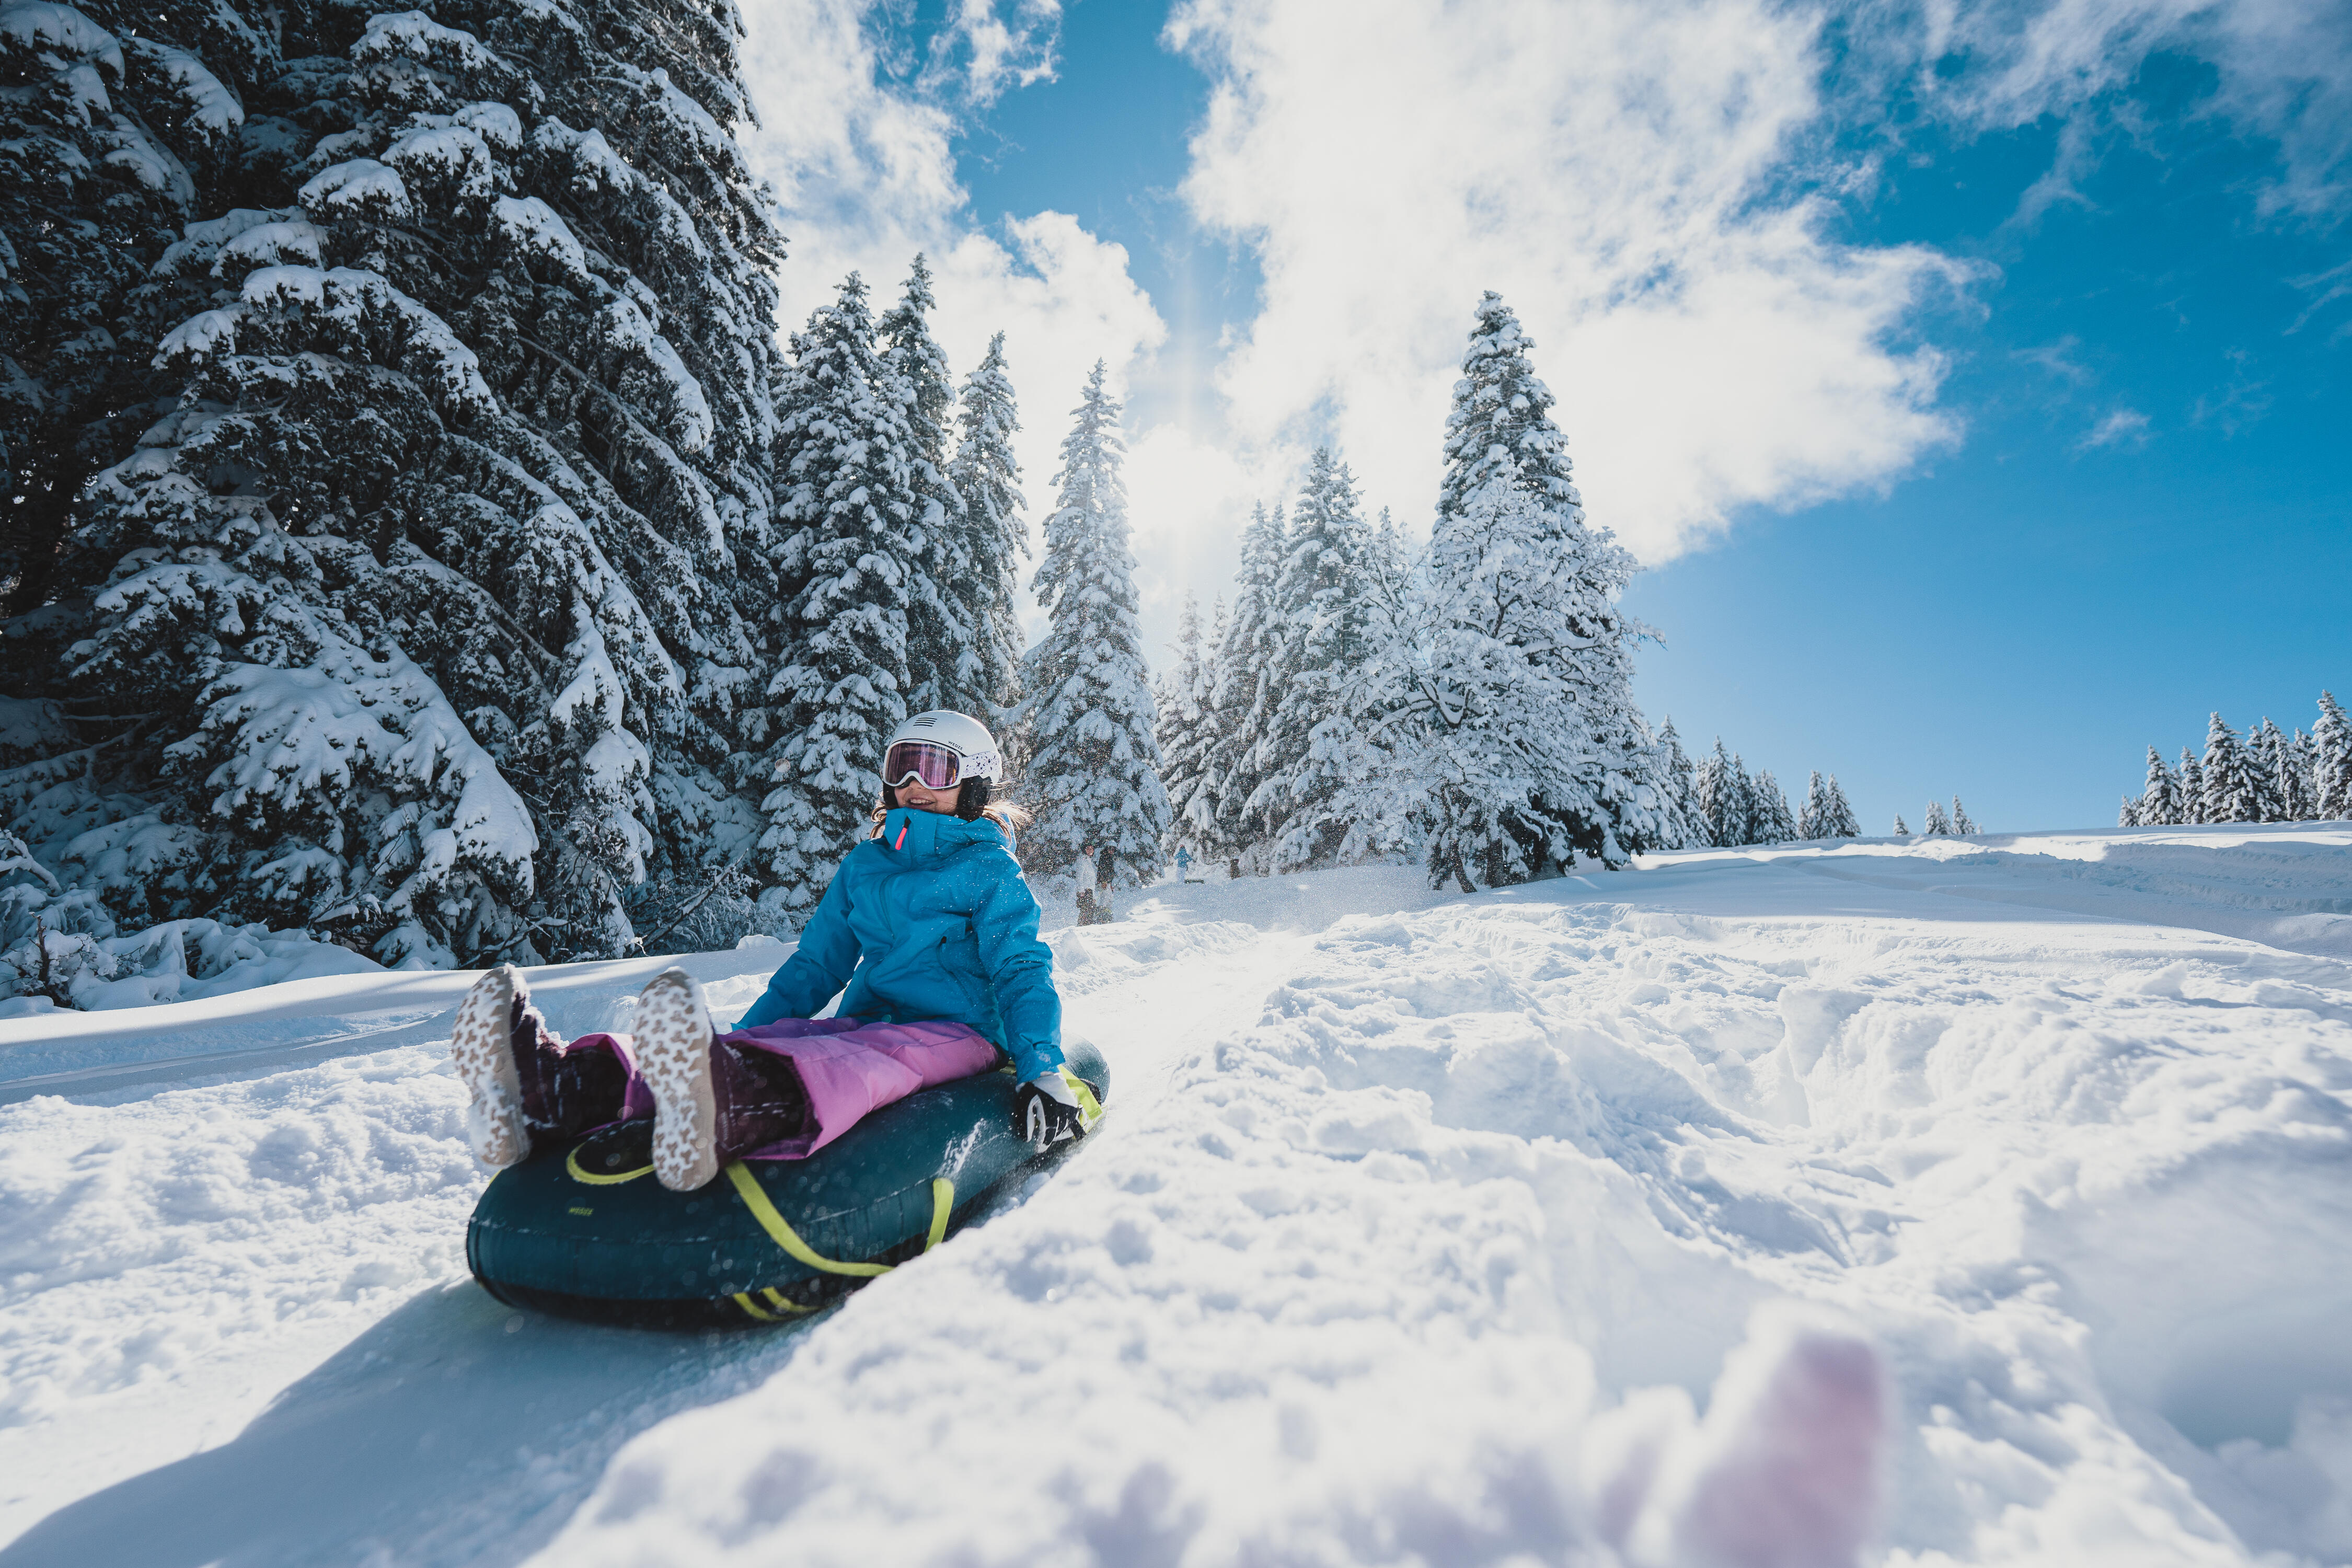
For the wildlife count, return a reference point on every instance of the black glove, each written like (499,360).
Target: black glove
(1044,1113)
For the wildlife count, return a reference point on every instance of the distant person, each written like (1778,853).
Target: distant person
(1183,864)
(1108,867)
(1086,884)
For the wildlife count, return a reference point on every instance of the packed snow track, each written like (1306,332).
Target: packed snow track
(1909,1201)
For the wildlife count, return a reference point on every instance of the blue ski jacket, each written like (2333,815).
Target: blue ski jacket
(936,910)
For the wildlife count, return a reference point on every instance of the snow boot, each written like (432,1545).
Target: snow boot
(481,1047)
(672,1052)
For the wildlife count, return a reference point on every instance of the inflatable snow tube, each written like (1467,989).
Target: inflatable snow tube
(583,1229)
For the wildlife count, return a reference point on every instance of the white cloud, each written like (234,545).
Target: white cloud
(2283,67)
(993,54)
(1618,169)
(864,173)
(2126,428)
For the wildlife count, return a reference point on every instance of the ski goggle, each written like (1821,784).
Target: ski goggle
(925,763)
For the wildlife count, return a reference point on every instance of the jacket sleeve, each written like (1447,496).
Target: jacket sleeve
(818,968)
(1020,969)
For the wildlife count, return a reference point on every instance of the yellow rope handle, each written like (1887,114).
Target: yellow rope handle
(942,1205)
(572,1163)
(756,1199)
(776,1299)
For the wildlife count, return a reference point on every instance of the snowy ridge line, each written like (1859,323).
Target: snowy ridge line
(2286,885)
(349,1012)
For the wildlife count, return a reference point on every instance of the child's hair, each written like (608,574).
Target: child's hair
(973,800)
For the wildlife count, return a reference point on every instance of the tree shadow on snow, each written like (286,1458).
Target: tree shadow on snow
(455,1430)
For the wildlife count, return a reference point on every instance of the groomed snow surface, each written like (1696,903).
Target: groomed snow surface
(1927,1202)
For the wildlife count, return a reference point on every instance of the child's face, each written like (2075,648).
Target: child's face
(917,796)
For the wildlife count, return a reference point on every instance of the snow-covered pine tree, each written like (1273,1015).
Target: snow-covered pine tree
(2267,760)
(118,124)
(1774,825)
(1187,735)
(1838,820)
(1244,699)
(1961,825)
(987,479)
(1902,829)
(2294,783)
(2127,814)
(1311,760)
(2192,787)
(945,599)
(1677,782)
(1815,810)
(1937,823)
(1746,810)
(1390,566)
(1094,767)
(2231,793)
(1512,724)
(845,474)
(2159,801)
(2331,762)
(452,495)
(1720,810)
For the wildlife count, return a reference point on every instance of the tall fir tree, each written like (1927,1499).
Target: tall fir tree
(987,479)
(2192,788)
(1508,710)
(2160,799)
(429,566)
(1390,568)
(1245,698)
(2267,759)
(1936,823)
(1901,828)
(119,124)
(1774,825)
(1677,780)
(1093,763)
(1962,825)
(1838,820)
(1745,810)
(943,610)
(2231,793)
(2298,803)
(1719,799)
(2331,762)
(1187,735)
(846,467)
(1308,761)
(2128,812)
(1813,814)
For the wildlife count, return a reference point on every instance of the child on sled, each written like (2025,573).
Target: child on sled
(928,922)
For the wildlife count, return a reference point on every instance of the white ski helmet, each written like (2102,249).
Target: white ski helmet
(966,736)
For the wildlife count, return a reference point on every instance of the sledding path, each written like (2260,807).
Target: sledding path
(235,1317)
(1421,1229)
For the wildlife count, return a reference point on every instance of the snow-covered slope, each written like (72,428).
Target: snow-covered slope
(1949,1200)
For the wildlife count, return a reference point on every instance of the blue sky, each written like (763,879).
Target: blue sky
(2067,471)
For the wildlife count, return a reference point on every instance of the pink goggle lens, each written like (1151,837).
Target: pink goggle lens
(925,763)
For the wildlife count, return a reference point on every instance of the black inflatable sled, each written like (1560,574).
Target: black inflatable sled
(582,1228)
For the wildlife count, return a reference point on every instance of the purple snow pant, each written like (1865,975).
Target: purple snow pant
(784,1089)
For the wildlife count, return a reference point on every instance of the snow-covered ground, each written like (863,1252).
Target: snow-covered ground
(1945,1201)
